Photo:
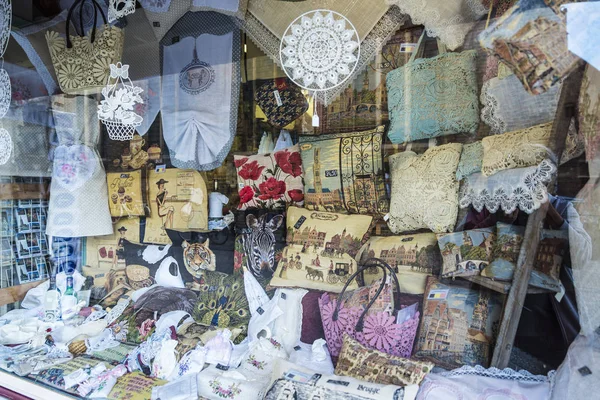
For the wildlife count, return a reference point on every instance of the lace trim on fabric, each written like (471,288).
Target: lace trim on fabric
(488,111)
(506,373)
(451,29)
(116,311)
(528,195)
(391,21)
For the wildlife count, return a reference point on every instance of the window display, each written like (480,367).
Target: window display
(308,199)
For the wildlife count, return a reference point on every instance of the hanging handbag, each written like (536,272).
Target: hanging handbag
(430,97)
(374,329)
(82,63)
(281,101)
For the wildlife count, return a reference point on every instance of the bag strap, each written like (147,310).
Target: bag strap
(80,3)
(420,49)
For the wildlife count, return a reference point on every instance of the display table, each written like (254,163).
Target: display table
(24,388)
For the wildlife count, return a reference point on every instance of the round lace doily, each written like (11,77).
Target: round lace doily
(5,22)
(6,146)
(5,92)
(320,50)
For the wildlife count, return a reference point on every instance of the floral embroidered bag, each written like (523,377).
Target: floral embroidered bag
(430,97)
(82,63)
(370,319)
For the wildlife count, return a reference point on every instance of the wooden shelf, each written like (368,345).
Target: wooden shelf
(501,286)
(24,191)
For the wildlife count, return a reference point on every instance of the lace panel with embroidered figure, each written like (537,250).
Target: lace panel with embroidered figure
(424,189)
(431,97)
(517,149)
(470,160)
(450,20)
(523,188)
(507,106)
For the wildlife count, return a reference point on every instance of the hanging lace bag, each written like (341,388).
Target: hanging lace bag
(82,63)
(430,97)
(374,325)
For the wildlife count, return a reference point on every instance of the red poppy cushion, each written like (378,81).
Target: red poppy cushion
(270,181)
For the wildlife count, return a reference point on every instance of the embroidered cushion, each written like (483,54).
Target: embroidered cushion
(375,366)
(466,253)
(517,149)
(344,172)
(270,181)
(551,252)
(424,189)
(470,160)
(505,252)
(457,324)
(413,257)
(281,101)
(320,249)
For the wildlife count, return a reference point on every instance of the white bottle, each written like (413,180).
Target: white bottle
(52,302)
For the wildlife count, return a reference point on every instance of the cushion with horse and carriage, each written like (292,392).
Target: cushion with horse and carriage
(413,258)
(321,249)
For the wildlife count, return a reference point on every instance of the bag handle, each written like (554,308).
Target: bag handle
(420,50)
(369,263)
(80,3)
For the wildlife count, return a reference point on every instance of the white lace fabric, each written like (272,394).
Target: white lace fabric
(449,20)
(507,106)
(522,188)
(5,24)
(6,146)
(517,149)
(5,92)
(424,189)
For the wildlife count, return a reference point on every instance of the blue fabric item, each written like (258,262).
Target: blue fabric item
(471,159)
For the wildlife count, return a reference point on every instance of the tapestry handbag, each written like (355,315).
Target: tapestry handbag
(376,330)
(82,63)
(430,97)
(281,101)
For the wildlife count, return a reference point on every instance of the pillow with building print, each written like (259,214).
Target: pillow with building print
(458,324)
(321,249)
(505,252)
(344,172)
(551,252)
(413,258)
(466,253)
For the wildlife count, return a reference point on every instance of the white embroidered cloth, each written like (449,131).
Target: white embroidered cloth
(523,188)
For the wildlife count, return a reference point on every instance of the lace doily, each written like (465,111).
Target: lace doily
(117,9)
(523,188)
(320,50)
(5,23)
(450,20)
(117,310)
(6,146)
(424,189)
(508,107)
(5,92)
(269,43)
(517,149)
(506,373)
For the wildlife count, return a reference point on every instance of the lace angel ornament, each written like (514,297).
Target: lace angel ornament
(116,111)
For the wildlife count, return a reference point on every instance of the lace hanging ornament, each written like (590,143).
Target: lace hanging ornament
(5,23)
(320,50)
(120,97)
(5,92)
(119,8)
(6,146)
(197,76)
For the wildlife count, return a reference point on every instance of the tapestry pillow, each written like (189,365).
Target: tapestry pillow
(466,253)
(551,251)
(321,248)
(517,149)
(344,172)
(505,252)
(413,258)
(178,200)
(470,160)
(366,364)
(425,189)
(271,180)
(457,324)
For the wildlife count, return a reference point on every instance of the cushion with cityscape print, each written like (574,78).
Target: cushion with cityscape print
(321,249)
(458,324)
(344,172)
(505,252)
(413,258)
(466,253)
(551,251)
